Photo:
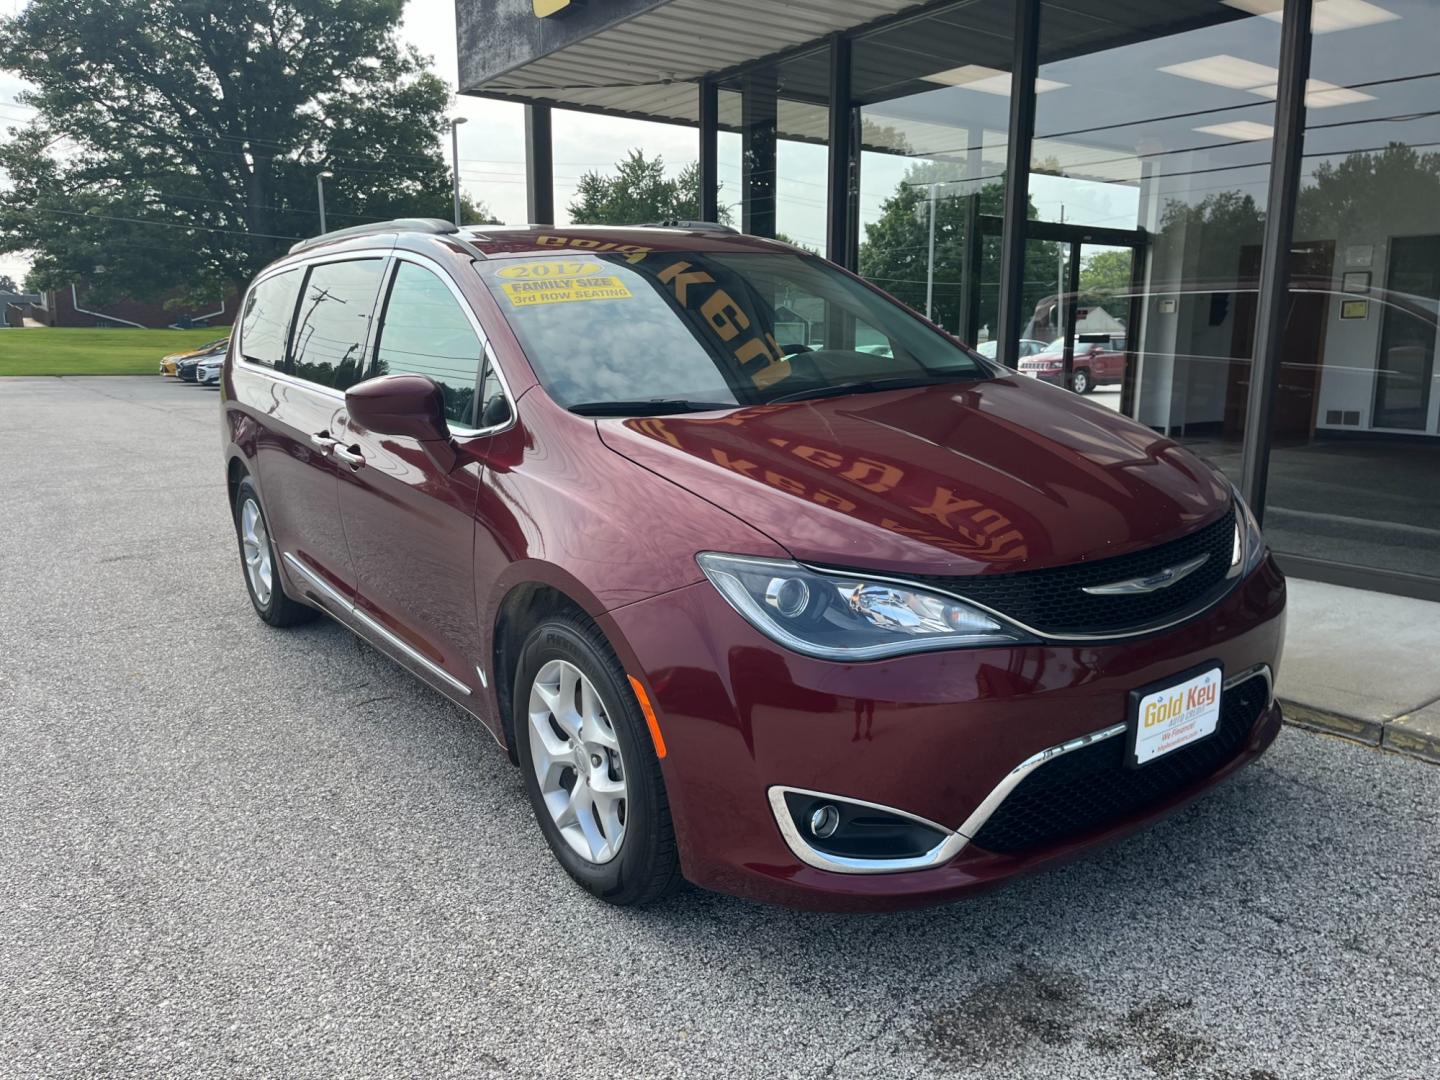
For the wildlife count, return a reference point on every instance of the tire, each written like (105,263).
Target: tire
(275,608)
(1081,382)
(640,864)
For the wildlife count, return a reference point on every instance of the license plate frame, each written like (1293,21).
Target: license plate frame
(1177,681)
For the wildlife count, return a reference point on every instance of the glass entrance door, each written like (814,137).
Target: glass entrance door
(1079,303)
(1104,306)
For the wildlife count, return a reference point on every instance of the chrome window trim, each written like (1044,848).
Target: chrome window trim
(303,265)
(348,607)
(955,840)
(393,255)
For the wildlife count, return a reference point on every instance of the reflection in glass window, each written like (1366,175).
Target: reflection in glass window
(265,323)
(494,406)
(1159,127)
(774,162)
(426,332)
(1356,451)
(333,322)
(934,97)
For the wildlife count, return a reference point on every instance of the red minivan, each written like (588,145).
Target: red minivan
(762,580)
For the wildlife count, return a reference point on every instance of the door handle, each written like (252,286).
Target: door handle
(322,441)
(350,455)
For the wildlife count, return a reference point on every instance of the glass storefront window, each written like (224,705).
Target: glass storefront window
(933,94)
(772,151)
(1151,161)
(1356,432)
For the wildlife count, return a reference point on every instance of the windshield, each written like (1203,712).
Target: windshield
(711,329)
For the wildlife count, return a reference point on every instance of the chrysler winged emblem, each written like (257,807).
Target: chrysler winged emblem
(1161,579)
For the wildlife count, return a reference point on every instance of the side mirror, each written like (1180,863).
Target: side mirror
(407,405)
(495,412)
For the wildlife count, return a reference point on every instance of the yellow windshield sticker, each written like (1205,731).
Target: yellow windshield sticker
(549,268)
(530,293)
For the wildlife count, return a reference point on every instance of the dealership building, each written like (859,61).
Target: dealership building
(1237,199)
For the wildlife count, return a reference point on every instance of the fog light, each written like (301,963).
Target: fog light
(824,821)
(834,826)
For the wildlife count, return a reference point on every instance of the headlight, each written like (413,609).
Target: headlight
(848,617)
(1249,547)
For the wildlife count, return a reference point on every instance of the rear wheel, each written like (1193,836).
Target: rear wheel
(1081,382)
(257,559)
(590,767)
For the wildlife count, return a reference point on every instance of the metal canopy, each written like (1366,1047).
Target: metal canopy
(647,65)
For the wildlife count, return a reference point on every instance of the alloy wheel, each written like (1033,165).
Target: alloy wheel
(1081,382)
(577,761)
(255,544)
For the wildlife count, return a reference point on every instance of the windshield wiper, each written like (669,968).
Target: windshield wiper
(649,407)
(866,386)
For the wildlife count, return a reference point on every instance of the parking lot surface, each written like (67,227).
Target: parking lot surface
(231,850)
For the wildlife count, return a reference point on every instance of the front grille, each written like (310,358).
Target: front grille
(1051,601)
(1093,787)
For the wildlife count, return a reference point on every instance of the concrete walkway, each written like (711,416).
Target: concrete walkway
(1363,665)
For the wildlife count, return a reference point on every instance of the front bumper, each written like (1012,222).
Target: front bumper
(933,735)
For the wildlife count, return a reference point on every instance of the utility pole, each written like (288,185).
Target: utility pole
(455,122)
(320,194)
(930,262)
(1060,280)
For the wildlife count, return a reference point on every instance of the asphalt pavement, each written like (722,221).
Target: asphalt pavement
(231,850)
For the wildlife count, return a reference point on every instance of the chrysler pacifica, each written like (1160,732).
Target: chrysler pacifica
(762,580)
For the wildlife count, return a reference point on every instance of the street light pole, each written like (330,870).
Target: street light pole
(930,263)
(320,194)
(455,122)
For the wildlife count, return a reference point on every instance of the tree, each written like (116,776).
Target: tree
(1211,236)
(1359,195)
(193,132)
(639,193)
(895,251)
(1106,271)
(7,284)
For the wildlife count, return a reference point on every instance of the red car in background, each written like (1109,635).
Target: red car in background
(1099,360)
(821,624)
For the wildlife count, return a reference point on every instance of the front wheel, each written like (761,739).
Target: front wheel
(590,767)
(1080,381)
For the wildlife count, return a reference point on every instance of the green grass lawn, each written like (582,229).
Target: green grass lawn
(40,350)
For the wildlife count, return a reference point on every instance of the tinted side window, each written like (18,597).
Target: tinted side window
(494,406)
(265,323)
(425,331)
(334,321)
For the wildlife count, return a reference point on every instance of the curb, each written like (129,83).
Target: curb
(1410,735)
(1415,735)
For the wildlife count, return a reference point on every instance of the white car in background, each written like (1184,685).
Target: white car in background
(207,371)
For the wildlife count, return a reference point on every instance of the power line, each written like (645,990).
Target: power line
(162,224)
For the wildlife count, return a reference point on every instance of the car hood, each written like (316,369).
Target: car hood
(988,476)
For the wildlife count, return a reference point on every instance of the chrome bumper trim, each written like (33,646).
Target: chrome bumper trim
(942,852)
(956,839)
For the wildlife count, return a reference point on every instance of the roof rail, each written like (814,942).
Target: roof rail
(435,226)
(681,223)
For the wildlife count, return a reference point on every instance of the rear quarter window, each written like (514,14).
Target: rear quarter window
(265,322)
